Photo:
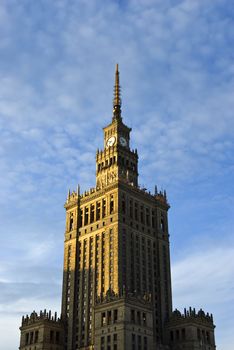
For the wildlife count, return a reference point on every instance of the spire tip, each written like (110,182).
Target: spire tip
(117,98)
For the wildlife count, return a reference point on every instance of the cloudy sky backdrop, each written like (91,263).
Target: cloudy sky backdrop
(57,62)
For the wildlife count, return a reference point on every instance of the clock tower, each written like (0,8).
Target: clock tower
(116,282)
(116,276)
(117,160)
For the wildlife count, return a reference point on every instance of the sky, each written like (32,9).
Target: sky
(57,63)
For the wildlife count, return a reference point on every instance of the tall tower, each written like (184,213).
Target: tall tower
(116,281)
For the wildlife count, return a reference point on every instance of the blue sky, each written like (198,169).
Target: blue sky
(57,62)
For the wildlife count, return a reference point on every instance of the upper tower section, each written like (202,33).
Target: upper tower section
(116,133)
(116,161)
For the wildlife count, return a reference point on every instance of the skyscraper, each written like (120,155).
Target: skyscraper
(117,280)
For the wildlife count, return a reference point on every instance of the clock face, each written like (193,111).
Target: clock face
(110,142)
(123,141)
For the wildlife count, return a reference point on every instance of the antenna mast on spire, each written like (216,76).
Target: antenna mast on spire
(117,98)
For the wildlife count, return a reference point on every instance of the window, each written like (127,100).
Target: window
(142,215)
(162,224)
(203,335)
(57,337)
(115,315)
(115,337)
(103,208)
(103,319)
(102,340)
(123,205)
(108,339)
(198,334)
(139,342)
(208,337)
(71,223)
(183,334)
(136,211)
(81,217)
(108,317)
(133,341)
(31,337)
(36,337)
(138,317)
(153,218)
(51,336)
(133,316)
(98,210)
(92,213)
(111,204)
(144,318)
(145,343)
(171,336)
(86,219)
(130,209)
(27,339)
(147,217)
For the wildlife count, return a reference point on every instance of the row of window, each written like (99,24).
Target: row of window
(54,337)
(108,339)
(203,336)
(180,334)
(68,278)
(91,255)
(141,264)
(129,207)
(141,213)
(143,274)
(109,347)
(107,163)
(139,342)
(109,317)
(126,163)
(92,252)
(32,337)
(138,317)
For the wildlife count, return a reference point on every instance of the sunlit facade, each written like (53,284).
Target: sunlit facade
(117,277)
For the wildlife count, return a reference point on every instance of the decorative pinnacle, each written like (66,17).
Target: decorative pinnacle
(117,98)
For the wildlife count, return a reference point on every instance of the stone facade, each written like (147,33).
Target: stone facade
(42,332)
(117,276)
(123,322)
(191,330)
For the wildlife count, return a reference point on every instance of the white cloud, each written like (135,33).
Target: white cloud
(203,278)
(56,77)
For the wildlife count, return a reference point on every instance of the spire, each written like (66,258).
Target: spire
(78,190)
(117,98)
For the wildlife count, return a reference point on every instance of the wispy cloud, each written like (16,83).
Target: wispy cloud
(56,77)
(204,278)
